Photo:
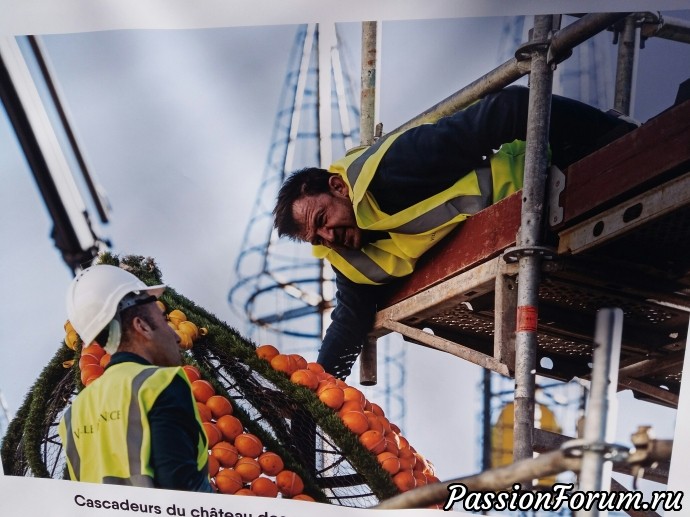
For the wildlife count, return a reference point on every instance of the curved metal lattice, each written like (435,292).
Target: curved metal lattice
(289,419)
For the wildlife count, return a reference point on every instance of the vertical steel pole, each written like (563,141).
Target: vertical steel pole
(367,115)
(627,49)
(601,415)
(486,419)
(533,195)
(367,122)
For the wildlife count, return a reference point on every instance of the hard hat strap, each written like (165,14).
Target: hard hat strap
(114,335)
(134,299)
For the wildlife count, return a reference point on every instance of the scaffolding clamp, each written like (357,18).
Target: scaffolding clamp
(513,254)
(609,451)
(554,56)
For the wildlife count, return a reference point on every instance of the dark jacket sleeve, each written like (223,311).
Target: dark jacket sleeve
(174,438)
(351,320)
(429,158)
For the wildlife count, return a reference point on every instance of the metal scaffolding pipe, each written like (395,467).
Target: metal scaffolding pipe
(600,419)
(546,464)
(510,71)
(367,122)
(627,49)
(367,115)
(666,27)
(572,35)
(529,238)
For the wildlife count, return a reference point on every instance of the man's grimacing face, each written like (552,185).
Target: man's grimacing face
(328,219)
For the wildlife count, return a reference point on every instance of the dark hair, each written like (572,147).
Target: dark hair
(126,317)
(309,181)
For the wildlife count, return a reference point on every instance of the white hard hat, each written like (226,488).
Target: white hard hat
(94,295)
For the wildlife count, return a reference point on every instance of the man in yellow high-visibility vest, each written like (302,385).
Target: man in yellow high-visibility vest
(138,424)
(373,213)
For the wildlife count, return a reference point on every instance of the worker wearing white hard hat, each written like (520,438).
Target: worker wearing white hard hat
(138,424)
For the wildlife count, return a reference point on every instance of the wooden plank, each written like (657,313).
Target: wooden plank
(478,239)
(627,165)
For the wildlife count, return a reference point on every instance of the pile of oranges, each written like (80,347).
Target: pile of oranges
(367,420)
(238,462)
(185,329)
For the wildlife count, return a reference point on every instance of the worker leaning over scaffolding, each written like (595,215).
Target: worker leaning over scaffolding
(378,209)
(137,424)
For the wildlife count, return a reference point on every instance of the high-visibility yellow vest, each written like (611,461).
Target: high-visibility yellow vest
(417,228)
(105,432)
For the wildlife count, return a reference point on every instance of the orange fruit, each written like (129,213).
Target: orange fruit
(353,394)
(88,359)
(350,405)
(93,349)
(385,423)
(248,468)
(395,428)
(202,390)
(303,497)
(289,483)
(176,316)
(376,409)
(404,480)
(230,427)
(300,362)
(305,378)
(407,458)
(373,441)
(264,487)
(420,463)
(374,422)
(204,412)
(419,477)
(249,445)
(325,376)
(105,360)
(355,421)
(91,379)
(267,352)
(271,463)
(219,406)
(213,466)
(315,367)
(432,479)
(228,481)
(401,441)
(244,491)
(389,462)
(192,372)
(284,363)
(212,433)
(90,371)
(391,446)
(225,453)
(332,396)
(323,384)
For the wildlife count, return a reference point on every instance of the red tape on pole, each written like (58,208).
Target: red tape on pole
(526,318)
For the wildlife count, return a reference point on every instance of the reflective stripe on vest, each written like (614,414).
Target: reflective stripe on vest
(416,229)
(135,435)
